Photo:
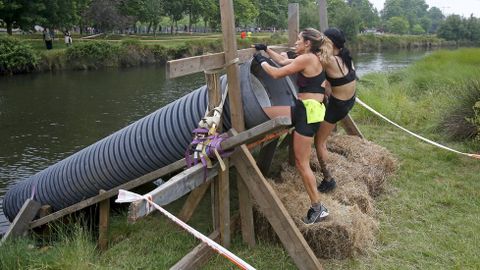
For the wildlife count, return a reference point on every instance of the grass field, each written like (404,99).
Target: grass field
(429,217)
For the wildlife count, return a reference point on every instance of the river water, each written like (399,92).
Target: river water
(44,118)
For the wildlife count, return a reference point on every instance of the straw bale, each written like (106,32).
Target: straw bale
(360,169)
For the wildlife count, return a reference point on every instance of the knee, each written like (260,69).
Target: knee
(302,166)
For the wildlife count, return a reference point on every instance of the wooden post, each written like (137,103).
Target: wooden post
(235,101)
(350,127)
(265,157)
(104,220)
(293,23)
(20,224)
(322,13)
(192,202)
(293,31)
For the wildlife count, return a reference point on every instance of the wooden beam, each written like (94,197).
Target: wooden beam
(196,258)
(257,132)
(173,189)
(110,193)
(293,23)
(350,127)
(103,223)
(19,225)
(223,210)
(246,213)
(192,202)
(322,14)
(195,64)
(274,211)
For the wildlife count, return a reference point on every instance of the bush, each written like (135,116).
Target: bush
(93,54)
(462,120)
(16,56)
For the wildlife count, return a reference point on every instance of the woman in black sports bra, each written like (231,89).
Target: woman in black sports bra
(342,79)
(308,112)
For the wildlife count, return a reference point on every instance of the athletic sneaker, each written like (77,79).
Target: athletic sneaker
(327,186)
(314,216)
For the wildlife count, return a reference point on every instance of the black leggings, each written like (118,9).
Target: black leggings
(337,109)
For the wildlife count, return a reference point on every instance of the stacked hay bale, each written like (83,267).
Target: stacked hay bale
(360,169)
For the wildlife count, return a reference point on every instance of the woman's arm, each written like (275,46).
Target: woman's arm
(297,65)
(280,59)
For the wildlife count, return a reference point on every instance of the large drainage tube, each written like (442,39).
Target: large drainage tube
(144,146)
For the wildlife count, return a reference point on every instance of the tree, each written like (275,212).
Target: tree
(60,13)
(151,12)
(436,18)
(411,10)
(309,15)
(398,25)
(175,10)
(245,12)
(367,13)
(107,15)
(21,13)
(417,29)
(473,29)
(452,28)
(272,13)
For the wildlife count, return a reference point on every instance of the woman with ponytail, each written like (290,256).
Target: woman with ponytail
(307,113)
(341,76)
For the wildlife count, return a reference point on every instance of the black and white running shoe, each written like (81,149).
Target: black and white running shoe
(314,216)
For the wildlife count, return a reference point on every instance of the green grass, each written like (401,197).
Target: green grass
(429,217)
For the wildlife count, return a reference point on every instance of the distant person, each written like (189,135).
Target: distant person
(68,38)
(47,37)
(243,35)
(341,77)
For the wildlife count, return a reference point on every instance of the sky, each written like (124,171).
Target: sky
(460,7)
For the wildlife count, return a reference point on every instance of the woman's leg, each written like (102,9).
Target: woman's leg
(302,146)
(322,153)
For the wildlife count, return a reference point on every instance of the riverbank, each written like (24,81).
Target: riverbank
(428,218)
(28,54)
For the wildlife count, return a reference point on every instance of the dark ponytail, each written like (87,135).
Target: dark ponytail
(346,58)
(338,39)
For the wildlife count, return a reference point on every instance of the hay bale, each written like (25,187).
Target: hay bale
(360,169)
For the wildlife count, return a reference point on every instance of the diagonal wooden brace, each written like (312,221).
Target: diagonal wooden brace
(274,211)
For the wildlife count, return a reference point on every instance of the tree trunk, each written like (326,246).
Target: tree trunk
(190,21)
(9,27)
(149,27)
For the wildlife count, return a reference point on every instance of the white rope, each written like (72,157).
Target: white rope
(125,196)
(414,134)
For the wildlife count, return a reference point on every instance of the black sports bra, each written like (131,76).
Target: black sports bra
(349,77)
(311,84)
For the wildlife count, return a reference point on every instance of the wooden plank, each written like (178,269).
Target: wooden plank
(350,127)
(246,213)
(257,132)
(274,211)
(224,205)
(173,189)
(265,157)
(192,202)
(322,13)
(110,193)
(195,64)
(19,225)
(196,258)
(104,221)
(293,23)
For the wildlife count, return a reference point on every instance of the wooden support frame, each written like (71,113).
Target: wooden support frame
(274,211)
(193,177)
(110,193)
(293,23)
(350,127)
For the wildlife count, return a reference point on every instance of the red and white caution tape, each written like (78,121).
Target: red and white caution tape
(477,156)
(125,196)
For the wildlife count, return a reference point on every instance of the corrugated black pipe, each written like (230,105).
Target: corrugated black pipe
(144,146)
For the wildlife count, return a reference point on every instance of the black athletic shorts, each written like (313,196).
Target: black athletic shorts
(337,109)
(299,120)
